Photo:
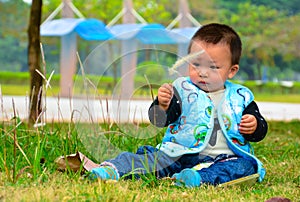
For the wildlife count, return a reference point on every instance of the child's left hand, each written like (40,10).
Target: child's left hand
(248,124)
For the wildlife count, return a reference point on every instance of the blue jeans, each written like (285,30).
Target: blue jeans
(148,159)
(226,168)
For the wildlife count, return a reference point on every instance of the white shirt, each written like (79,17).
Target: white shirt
(217,143)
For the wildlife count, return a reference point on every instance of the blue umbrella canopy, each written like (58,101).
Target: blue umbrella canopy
(145,33)
(59,27)
(183,35)
(88,29)
(93,29)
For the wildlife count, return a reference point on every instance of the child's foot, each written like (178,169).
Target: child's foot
(104,173)
(187,177)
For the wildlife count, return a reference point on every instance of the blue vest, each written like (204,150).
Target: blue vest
(192,130)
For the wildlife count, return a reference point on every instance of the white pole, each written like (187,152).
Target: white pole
(184,21)
(67,55)
(129,57)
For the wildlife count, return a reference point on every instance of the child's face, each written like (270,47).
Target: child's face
(210,70)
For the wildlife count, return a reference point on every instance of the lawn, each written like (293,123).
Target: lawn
(285,98)
(262,97)
(28,171)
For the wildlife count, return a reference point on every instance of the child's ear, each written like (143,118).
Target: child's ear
(233,70)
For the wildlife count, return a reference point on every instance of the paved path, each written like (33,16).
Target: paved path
(119,111)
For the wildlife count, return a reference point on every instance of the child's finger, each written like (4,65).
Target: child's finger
(168,87)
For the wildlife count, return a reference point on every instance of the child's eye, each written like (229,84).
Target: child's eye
(214,67)
(196,64)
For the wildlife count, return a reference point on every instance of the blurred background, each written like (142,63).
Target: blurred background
(269,30)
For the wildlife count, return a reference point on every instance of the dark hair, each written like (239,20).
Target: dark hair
(215,33)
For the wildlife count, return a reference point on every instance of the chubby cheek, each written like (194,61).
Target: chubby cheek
(194,76)
(218,76)
(194,81)
(217,79)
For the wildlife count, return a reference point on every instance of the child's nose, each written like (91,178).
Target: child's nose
(202,72)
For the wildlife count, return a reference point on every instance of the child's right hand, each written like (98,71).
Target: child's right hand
(165,94)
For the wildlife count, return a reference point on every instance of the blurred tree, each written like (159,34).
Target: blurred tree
(290,37)
(205,11)
(13,39)
(103,10)
(291,7)
(13,18)
(261,31)
(34,52)
(267,27)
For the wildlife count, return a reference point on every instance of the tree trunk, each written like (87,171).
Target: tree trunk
(34,56)
(258,67)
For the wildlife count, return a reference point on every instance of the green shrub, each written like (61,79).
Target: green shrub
(153,70)
(154,73)
(271,87)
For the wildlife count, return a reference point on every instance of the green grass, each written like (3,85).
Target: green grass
(19,90)
(288,98)
(29,174)
(17,83)
(12,89)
